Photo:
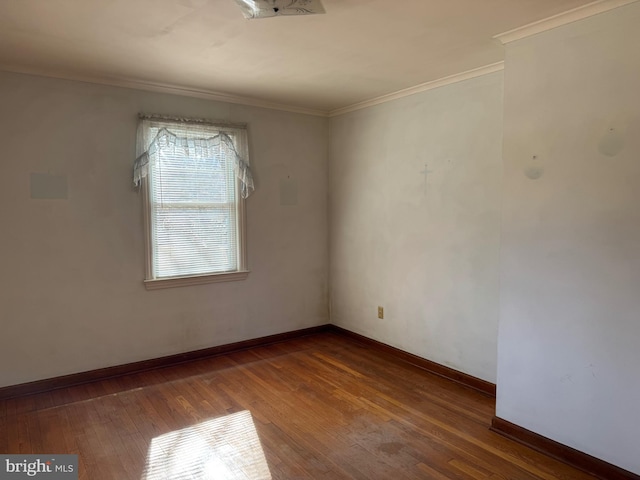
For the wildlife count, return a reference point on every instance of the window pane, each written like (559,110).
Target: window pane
(192,241)
(193,210)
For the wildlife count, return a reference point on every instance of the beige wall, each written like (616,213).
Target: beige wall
(427,251)
(570,274)
(71,292)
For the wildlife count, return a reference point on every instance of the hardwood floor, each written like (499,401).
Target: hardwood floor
(324,407)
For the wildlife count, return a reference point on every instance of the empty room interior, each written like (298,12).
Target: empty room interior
(347,239)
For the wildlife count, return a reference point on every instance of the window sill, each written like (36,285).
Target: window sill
(158,283)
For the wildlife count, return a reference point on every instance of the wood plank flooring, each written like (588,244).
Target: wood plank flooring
(324,407)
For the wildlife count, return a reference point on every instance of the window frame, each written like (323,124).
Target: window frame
(241,273)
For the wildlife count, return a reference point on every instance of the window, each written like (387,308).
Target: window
(195,177)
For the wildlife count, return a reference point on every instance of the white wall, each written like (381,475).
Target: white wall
(71,291)
(570,275)
(426,252)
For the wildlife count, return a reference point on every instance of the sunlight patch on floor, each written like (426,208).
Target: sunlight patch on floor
(224,448)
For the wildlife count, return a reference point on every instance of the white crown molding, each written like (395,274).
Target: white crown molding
(166,88)
(253,102)
(441,82)
(573,15)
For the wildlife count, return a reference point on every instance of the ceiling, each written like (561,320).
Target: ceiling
(358,50)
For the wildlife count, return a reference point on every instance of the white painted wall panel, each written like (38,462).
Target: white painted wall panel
(570,274)
(71,270)
(426,249)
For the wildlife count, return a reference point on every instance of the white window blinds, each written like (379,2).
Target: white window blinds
(194,191)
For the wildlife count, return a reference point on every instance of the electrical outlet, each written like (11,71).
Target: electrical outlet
(380,312)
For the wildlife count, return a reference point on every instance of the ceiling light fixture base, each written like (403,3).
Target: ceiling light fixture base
(279,8)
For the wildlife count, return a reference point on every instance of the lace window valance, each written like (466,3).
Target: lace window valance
(187,137)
